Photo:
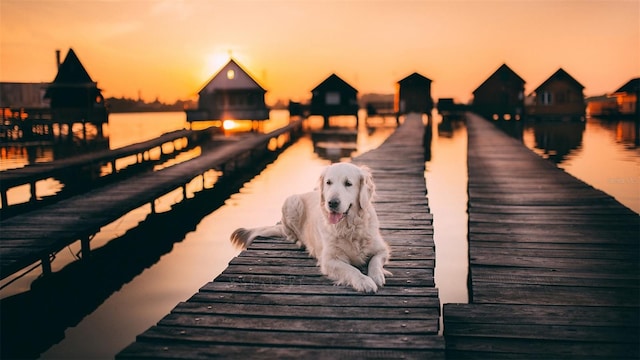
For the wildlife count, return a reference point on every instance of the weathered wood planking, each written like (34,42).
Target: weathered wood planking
(272,302)
(30,237)
(554,263)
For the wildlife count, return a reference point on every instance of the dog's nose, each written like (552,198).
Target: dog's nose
(334,203)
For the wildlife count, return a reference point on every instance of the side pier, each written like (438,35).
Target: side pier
(31,237)
(272,301)
(554,263)
(73,166)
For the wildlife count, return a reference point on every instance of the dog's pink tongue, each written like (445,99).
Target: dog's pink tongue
(335,217)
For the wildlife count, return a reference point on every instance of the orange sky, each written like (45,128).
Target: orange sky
(170,48)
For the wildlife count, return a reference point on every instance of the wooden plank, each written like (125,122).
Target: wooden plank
(554,263)
(273,302)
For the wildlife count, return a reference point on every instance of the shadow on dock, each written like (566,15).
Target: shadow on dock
(62,299)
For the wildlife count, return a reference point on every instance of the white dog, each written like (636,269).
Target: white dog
(337,224)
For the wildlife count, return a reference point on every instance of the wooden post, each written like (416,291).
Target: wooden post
(85,247)
(4,201)
(33,192)
(46,265)
(153,206)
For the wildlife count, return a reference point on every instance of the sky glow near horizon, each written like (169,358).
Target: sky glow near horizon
(168,49)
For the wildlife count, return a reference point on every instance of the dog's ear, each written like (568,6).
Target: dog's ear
(321,185)
(367,187)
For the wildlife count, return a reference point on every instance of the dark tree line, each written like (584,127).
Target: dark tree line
(119,105)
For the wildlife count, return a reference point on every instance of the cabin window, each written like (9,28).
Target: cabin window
(332,98)
(545,98)
(560,98)
(231,74)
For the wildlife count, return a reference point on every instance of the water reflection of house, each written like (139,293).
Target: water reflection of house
(74,97)
(501,96)
(333,97)
(414,95)
(231,94)
(557,139)
(560,97)
(627,98)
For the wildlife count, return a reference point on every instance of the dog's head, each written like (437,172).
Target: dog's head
(345,188)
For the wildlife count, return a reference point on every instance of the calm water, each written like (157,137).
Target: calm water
(187,247)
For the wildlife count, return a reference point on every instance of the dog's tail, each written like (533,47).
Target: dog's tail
(242,237)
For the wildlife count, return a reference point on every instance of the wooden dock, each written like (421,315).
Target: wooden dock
(554,263)
(31,174)
(273,303)
(31,237)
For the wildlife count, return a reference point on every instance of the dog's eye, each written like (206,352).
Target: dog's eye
(329,182)
(347,183)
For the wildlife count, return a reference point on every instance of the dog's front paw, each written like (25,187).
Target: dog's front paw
(365,284)
(378,276)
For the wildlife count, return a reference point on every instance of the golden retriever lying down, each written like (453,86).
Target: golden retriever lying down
(337,224)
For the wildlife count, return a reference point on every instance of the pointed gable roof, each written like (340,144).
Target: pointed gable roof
(71,71)
(333,82)
(631,87)
(559,75)
(415,79)
(232,76)
(503,74)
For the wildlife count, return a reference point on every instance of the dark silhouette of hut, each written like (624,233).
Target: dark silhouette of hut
(73,96)
(334,97)
(413,94)
(560,97)
(231,94)
(501,96)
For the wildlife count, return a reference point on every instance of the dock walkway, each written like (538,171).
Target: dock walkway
(554,263)
(33,173)
(273,303)
(31,237)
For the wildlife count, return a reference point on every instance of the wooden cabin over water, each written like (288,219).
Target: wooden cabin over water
(628,98)
(560,97)
(74,97)
(231,94)
(413,94)
(334,97)
(621,104)
(501,96)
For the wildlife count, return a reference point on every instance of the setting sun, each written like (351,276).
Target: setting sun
(214,61)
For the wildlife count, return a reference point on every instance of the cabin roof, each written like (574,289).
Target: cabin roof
(415,78)
(71,71)
(232,76)
(503,73)
(631,87)
(333,82)
(560,75)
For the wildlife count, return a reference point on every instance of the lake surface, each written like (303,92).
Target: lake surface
(150,263)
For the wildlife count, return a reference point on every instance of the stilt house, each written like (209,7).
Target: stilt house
(231,94)
(73,96)
(333,97)
(560,97)
(501,96)
(628,98)
(413,94)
